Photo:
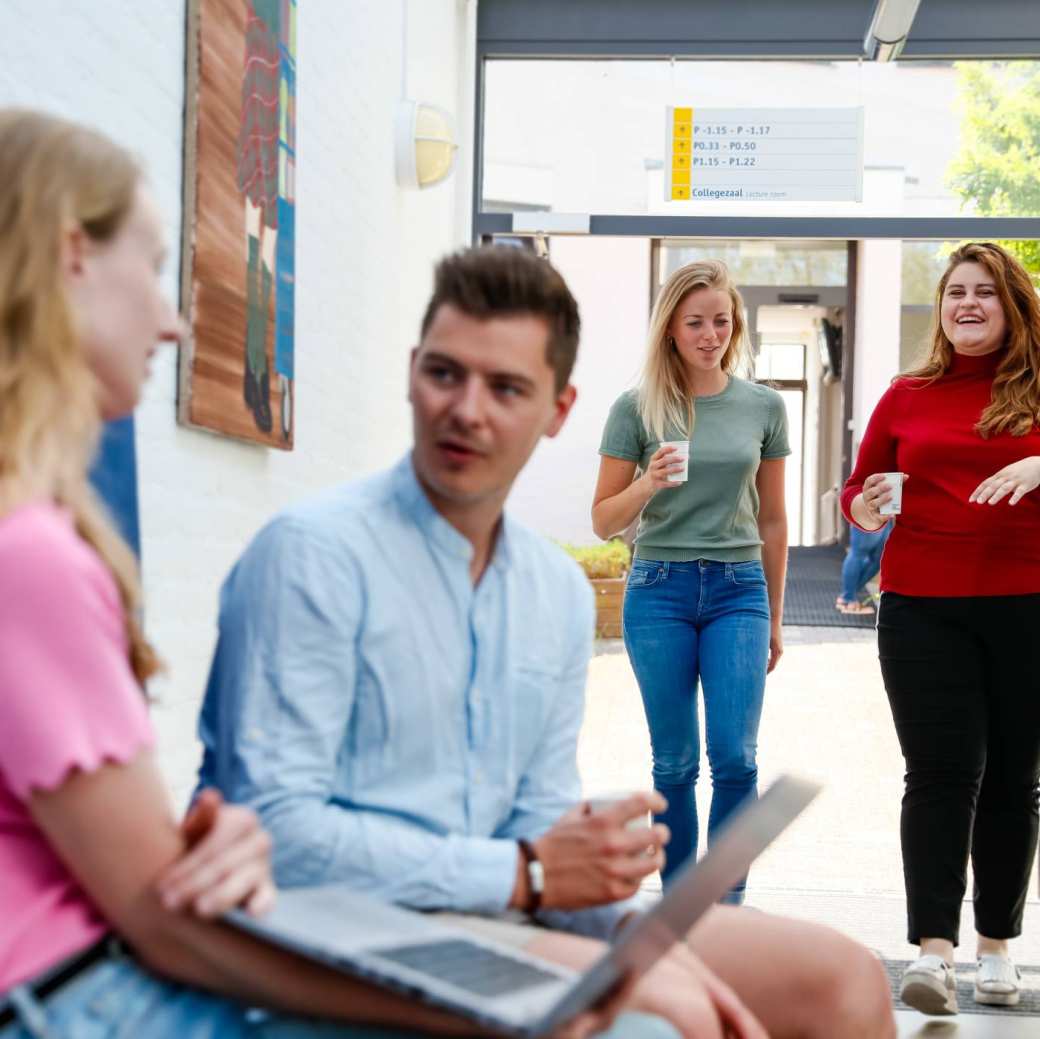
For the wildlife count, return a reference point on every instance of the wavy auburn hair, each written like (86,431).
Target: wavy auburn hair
(663,394)
(1014,406)
(56,175)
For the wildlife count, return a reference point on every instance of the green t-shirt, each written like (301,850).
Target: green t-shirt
(714,514)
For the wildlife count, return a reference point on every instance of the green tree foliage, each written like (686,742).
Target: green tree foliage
(997,172)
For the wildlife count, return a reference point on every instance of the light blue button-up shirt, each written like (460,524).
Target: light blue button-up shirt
(395,727)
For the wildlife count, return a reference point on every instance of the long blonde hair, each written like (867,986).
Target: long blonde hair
(665,402)
(1014,405)
(55,174)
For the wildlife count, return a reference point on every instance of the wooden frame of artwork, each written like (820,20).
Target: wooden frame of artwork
(236,371)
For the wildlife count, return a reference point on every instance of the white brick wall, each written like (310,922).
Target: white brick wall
(364,256)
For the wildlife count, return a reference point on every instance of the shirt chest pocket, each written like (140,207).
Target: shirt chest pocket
(530,715)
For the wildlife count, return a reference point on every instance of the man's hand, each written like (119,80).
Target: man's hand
(1017,479)
(227,861)
(592,859)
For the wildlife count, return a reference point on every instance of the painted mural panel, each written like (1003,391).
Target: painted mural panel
(238,277)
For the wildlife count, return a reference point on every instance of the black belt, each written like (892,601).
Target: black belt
(51,980)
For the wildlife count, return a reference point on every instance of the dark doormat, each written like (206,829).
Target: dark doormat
(813,583)
(1028,1005)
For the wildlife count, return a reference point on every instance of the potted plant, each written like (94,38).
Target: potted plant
(606,567)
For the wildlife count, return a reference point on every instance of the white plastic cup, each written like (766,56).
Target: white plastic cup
(893,507)
(682,454)
(602,803)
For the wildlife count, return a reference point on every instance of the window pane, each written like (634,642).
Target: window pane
(780,361)
(923,266)
(788,262)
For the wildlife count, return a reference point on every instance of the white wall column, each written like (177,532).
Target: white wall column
(878,300)
(610,280)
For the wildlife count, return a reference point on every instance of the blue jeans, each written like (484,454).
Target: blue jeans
(709,622)
(862,561)
(117,999)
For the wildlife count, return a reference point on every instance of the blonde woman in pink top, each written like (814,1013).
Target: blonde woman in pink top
(88,844)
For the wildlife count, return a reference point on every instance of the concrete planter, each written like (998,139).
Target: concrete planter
(610,597)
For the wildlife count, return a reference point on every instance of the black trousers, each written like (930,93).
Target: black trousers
(963,681)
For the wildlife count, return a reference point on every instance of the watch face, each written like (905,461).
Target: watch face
(536,874)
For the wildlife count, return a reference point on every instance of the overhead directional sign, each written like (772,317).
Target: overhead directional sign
(764,154)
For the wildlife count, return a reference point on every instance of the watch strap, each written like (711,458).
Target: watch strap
(535,876)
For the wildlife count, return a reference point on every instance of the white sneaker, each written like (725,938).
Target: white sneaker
(929,985)
(996,981)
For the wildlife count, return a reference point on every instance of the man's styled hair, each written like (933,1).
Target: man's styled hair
(502,281)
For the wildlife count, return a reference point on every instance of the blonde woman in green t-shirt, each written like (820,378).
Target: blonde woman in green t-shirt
(705,596)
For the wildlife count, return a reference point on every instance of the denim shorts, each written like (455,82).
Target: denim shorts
(118,999)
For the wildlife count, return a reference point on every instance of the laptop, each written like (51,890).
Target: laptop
(494,984)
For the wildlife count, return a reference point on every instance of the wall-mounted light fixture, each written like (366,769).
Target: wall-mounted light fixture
(425,147)
(889,29)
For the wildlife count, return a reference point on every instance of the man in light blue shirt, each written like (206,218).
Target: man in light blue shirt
(396,727)
(398,684)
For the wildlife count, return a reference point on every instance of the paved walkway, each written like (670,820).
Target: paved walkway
(825,716)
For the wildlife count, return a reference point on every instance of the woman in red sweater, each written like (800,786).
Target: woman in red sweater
(960,615)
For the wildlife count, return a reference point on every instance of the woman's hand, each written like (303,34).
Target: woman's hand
(227,862)
(1017,479)
(876,492)
(776,647)
(663,463)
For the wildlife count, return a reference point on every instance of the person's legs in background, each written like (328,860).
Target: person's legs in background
(932,666)
(852,569)
(661,639)
(734,652)
(873,555)
(862,562)
(1005,832)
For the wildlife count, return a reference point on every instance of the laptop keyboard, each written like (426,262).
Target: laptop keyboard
(468,966)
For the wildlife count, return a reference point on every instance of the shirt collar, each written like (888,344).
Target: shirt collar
(442,534)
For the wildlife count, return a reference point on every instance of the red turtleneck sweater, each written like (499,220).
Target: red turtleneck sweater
(942,544)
